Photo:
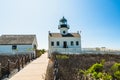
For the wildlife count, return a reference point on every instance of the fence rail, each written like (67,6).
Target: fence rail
(20,62)
(56,70)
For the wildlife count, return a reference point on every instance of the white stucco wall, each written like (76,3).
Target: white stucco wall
(75,49)
(35,42)
(63,29)
(20,48)
(5,48)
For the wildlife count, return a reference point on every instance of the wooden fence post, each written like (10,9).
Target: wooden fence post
(18,65)
(0,70)
(25,59)
(55,73)
(28,58)
(8,71)
(31,56)
(22,62)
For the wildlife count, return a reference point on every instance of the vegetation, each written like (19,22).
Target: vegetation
(116,70)
(97,72)
(40,52)
(62,56)
(16,61)
(12,62)
(97,66)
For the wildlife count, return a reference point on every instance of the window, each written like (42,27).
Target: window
(77,43)
(14,47)
(35,46)
(52,43)
(64,32)
(72,43)
(58,43)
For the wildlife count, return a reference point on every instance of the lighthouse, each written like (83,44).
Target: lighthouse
(64,42)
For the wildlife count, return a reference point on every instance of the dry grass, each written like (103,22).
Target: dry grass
(69,65)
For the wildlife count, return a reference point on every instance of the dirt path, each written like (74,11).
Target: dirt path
(36,70)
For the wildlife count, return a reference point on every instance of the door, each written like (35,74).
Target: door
(64,44)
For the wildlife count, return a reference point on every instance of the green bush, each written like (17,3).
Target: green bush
(115,67)
(117,74)
(40,52)
(100,75)
(95,68)
(95,75)
(102,61)
(116,70)
(106,76)
(62,56)
(83,72)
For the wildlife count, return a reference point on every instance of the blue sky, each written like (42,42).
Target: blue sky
(99,20)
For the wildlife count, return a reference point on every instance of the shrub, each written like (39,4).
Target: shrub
(115,67)
(117,74)
(99,75)
(95,75)
(102,61)
(40,52)
(62,56)
(106,76)
(95,68)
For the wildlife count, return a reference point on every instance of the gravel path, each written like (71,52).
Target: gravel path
(36,70)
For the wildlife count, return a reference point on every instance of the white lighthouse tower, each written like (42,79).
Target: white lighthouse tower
(63,26)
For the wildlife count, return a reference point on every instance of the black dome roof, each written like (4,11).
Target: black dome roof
(63,19)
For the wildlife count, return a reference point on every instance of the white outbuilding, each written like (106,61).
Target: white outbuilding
(64,42)
(12,44)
